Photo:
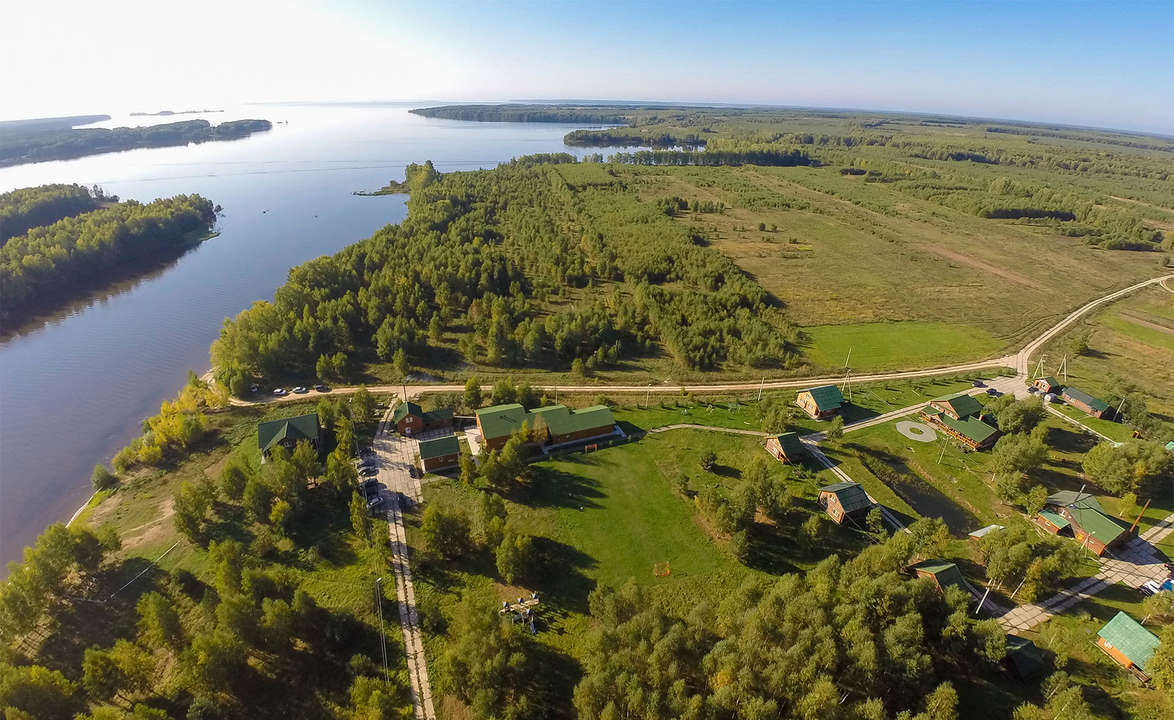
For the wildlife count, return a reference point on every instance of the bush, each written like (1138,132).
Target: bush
(102,479)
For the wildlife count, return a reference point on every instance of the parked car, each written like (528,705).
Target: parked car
(1032,389)
(368,471)
(322,388)
(374,503)
(412,471)
(993,392)
(370,486)
(979,383)
(301,390)
(254,388)
(279,391)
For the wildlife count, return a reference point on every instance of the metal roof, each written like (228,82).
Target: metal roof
(850,494)
(962,404)
(825,397)
(439,447)
(1059,521)
(969,427)
(1129,638)
(302,427)
(790,443)
(501,420)
(1095,403)
(946,573)
(983,532)
(405,409)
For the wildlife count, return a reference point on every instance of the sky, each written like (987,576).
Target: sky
(1095,63)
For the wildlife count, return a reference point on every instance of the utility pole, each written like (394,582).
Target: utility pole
(943,452)
(382,634)
(760,384)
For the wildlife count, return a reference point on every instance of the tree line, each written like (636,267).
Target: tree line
(64,144)
(27,208)
(54,262)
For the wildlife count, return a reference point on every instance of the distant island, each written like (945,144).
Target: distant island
(57,138)
(71,254)
(173,112)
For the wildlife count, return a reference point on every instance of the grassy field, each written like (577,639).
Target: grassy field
(873,346)
(610,516)
(1130,341)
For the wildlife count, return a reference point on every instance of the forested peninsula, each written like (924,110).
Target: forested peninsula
(51,264)
(28,143)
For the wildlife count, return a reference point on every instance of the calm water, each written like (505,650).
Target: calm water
(74,390)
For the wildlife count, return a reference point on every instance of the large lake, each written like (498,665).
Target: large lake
(74,389)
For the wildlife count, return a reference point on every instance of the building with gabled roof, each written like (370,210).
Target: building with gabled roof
(1128,642)
(288,432)
(786,447)
(440,453)
(1047,384)
(411,419)
(821,403)
(1024,660)
(957,407)
(552,425)
(943,573)
(1084,402)
(845,501)
(1090,525)
(970,431)
(980,533)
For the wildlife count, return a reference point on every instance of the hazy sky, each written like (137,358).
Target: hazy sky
(1101,62)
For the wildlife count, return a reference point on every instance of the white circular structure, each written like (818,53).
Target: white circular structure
(916,431)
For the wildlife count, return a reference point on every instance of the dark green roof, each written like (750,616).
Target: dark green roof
(294,429)
(1058,520)
(1095,522)
(562,421)
(1170,446)
(501,420)
(962,404)
(968,427)
(405,409)
(1027,659)
(946,573)
(1064,498)
(438,415)
(439,447)
(790,443)
(851,495)
(1051,381)
(1130,639)
(1095,403)
(826,397)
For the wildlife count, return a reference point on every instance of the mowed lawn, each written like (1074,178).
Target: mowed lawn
(896,345)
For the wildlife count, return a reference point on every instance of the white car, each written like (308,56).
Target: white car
(279,391)
(300,390)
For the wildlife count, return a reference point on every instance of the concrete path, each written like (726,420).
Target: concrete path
(394,456)
(1136,563)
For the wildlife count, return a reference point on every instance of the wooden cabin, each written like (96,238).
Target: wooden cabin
(845,501)
(1088,522)
(1084,402)
(1129,643)
(551,425)
(288,432)
(957,407)
(441,453)
(411,419)
(785,448)
(942,573)
(1047,384)
(821,403)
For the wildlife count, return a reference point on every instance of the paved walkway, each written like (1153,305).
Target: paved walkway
(395,455)
(1136,563)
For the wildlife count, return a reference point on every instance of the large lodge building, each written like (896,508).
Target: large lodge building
(551,425)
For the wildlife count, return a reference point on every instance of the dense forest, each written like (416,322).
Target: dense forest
(50,264)
(493,255)
(27,208)
(529,113)
(23,144)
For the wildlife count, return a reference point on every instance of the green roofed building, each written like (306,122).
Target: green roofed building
(821,402)
(1128,642)
(1023,660)
(786,447)
(440,453)
(970,431)
(1046,384)
(957,407)
(1170,446)
(1094,528)
(844,501)
(411,419)
(554,424)
(1083,401)
(944,574)
(1052,522)
(288,432)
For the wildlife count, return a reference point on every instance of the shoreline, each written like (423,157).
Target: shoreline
(77,513)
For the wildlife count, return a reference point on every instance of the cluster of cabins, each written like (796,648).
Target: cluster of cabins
(1075,397)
